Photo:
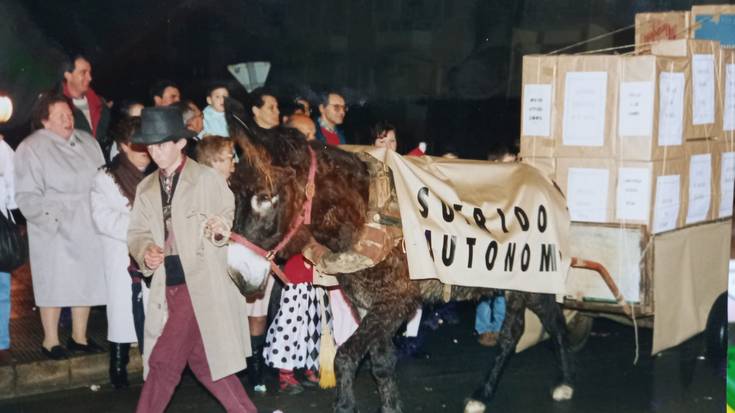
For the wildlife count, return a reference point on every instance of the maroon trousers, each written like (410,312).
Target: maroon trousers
(179,344)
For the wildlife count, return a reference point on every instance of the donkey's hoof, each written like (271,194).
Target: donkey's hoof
(474,406)
(345,409)
(562,392)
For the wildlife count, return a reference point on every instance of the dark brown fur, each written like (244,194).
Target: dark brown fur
(277,163)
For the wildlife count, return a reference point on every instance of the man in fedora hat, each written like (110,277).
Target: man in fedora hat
(195,315)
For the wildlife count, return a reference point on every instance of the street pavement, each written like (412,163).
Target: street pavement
(676,380)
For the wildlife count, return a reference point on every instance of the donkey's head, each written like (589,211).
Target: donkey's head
(268,184)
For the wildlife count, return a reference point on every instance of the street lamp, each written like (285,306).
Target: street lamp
(6,109)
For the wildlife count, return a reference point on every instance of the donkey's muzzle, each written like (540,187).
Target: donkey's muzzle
(248,270)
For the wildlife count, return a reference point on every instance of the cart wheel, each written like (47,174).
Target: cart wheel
(716,331)
(578,331)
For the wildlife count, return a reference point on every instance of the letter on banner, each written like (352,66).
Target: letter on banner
(585,96)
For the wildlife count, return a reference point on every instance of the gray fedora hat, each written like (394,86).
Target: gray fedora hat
(161,124)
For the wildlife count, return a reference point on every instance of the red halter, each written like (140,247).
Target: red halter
(303,218)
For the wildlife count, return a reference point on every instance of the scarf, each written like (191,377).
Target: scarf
(126,175)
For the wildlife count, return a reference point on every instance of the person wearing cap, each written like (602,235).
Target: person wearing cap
(195,315)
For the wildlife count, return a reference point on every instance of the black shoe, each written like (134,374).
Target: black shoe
(90,348)
(119,357)
(56,353)
(255,369)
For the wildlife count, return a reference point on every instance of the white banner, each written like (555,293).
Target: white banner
(481,224)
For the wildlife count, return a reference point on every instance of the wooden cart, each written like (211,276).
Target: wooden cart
(674,282)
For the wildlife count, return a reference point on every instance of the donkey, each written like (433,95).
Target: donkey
(269,186)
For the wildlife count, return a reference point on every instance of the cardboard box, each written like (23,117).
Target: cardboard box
(627,192)
(653,27)
(714,22)
(585,106)
(726,86)
(703,116)
(537,104)
(650,114)
(615,106)
(701,146)
(546,165)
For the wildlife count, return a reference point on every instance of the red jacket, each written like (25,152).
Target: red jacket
(96,107)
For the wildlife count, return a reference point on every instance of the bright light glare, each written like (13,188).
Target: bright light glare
(6,109)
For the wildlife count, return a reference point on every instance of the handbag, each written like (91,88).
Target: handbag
(13,244)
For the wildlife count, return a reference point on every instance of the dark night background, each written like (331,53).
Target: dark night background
(443,71)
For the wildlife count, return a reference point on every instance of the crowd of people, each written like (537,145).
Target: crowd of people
(106,191)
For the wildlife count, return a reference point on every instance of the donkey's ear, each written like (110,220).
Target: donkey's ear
(234,107)
(236,117)
(237,126)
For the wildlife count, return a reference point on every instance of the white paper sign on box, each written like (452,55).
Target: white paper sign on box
(671,108)
(633,194)
(728,115)
(727,180)
(703,89)
(585,96)
(537,110)
(587,194)
(636,109)
(667,204)
(700,187)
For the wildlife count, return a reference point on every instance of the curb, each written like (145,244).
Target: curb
(45,376)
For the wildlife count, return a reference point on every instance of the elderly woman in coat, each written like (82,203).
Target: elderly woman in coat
(113,194)
(54,172)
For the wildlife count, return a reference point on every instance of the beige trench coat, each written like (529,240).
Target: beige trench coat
(218,306)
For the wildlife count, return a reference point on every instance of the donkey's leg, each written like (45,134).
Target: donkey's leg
(377,326)
(383,361)
(509,335)
(383,352)
(552,318)
(376,329)
(346,360)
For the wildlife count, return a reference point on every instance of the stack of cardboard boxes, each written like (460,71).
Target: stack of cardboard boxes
(635,139)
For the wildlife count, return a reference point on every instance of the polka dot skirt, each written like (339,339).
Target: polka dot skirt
(293,338)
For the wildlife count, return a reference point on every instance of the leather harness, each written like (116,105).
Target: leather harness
(303,218)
